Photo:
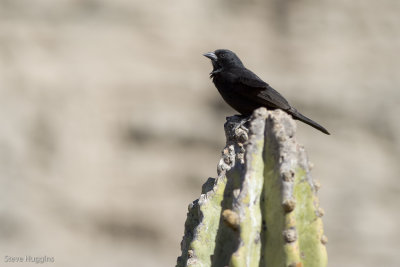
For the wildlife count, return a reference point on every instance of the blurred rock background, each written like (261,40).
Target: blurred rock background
(110,125)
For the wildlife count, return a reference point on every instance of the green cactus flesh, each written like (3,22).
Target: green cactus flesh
(263,209)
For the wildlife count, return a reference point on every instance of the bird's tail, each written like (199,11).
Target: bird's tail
(298,116)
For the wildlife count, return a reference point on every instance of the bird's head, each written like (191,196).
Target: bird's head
(223,59)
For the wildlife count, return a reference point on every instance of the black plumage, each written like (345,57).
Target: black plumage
(244,91)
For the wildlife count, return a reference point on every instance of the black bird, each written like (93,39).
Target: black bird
(244,91)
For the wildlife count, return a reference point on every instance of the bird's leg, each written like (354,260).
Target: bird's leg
(236,127)
(241,130)
(243,120)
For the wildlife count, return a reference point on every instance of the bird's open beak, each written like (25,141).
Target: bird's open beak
(211,55)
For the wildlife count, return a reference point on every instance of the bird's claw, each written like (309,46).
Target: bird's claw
(241,124)
(240,130)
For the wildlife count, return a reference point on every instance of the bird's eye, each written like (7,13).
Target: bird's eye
(222,55)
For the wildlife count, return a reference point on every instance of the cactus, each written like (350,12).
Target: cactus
(262,209)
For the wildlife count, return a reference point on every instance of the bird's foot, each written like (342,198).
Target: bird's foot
(243,120)
(241,128)
(237,126)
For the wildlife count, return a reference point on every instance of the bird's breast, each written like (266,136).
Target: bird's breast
(234,95)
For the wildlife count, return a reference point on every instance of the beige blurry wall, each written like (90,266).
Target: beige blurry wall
(109,123)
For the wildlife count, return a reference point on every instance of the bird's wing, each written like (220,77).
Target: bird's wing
(248,78)
(260,91)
